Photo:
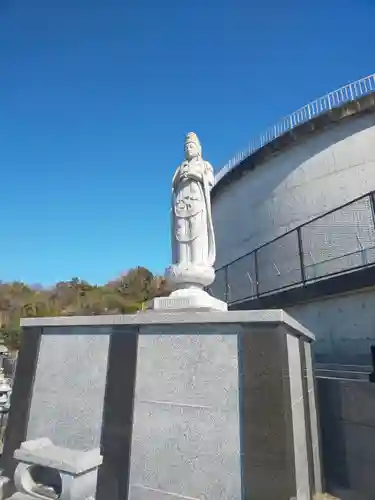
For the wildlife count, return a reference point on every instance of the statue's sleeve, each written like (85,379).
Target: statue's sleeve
(210,174)
(172,215)
(208,182)
(175,177)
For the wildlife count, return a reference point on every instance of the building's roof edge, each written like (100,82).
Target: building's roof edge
(361,105)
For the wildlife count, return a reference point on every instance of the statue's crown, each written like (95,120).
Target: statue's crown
(192,137)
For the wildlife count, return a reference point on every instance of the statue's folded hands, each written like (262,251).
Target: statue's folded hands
(194,175)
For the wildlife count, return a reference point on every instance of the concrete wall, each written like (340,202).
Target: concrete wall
(344,326)
(347,418)
(325,170)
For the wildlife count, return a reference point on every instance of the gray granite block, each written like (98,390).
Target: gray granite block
(68,394)
(312,431)
(191,451)
(298,417)
(43,452)
(275,461)
(188,369)
(203,319)
(186,407)
(187,417)
(23,384)
(116,441)
(139,492)
(197,431)
(22,496)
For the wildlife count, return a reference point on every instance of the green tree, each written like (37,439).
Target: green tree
(125,295)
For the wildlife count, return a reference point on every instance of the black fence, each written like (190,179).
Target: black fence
(337,242)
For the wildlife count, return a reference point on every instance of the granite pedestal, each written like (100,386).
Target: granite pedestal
(185,405)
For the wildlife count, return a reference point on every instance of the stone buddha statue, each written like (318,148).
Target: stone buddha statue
(192,236)
(193,240)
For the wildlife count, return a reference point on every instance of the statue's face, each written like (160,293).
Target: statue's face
(191,150)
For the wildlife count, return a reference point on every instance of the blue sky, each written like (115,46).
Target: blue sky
(96,96)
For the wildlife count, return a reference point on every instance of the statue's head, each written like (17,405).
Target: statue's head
(192,146)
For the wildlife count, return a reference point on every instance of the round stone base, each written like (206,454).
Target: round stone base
(194,299)
(191,274)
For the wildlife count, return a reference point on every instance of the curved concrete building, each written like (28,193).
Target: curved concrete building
(296,211)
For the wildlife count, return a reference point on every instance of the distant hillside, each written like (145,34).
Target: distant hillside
(126,294)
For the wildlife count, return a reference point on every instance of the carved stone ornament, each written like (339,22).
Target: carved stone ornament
(48,472)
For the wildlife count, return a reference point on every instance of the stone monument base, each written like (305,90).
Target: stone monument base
(188,299)
(214,405)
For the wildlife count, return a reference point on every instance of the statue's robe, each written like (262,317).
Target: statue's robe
(193,239)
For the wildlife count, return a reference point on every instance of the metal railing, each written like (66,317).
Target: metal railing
(336,242)
(334,99)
